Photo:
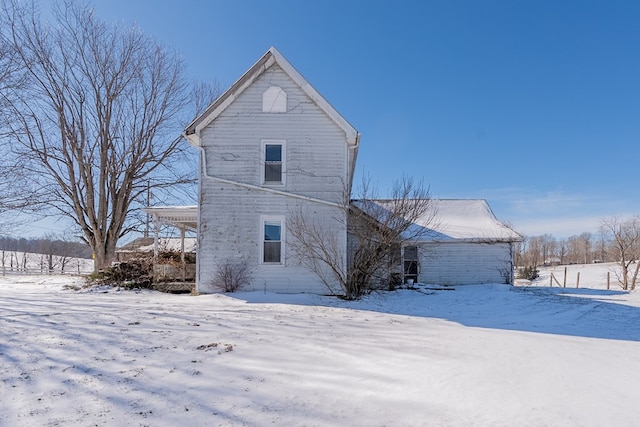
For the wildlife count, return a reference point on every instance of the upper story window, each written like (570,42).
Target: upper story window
(274,100)
(273,162)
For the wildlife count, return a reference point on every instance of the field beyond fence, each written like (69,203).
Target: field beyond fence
(594,276)
(12,262)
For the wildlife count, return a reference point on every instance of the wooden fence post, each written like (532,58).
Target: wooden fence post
(564,282)
(608,279)
(554,278)
(578,281)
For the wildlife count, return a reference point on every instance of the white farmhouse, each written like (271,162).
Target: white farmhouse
(272,147)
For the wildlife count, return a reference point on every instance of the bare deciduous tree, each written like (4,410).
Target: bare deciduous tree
(625,245)
(548,246)
(534,251)
(12,79)
(376,229)
(12,76)
(585,247)
(96,123)
(58,249)
(545,250)
(562,251)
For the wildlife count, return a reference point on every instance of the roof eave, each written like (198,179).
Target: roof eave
(487,240)
(224,100)
(267,60)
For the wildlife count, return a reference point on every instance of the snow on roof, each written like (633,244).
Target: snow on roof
(467,219)
(164,244)
(462,219)
(173,244)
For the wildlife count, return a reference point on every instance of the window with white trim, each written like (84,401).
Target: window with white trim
(272,240)
(273,165)
(274,100)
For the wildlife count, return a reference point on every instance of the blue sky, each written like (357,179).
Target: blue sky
(532,105)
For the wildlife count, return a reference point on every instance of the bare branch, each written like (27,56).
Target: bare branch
(625,246)
(96,121)
(376,228)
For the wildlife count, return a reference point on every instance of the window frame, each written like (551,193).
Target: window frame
(410,262)
(264,219)
(283,162)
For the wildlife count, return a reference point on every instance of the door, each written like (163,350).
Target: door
(410,261)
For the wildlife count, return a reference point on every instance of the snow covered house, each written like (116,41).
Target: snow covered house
(271,147)
(462,243)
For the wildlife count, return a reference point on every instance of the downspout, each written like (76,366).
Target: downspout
(353,154)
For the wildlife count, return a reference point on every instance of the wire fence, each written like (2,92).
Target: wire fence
(31,264)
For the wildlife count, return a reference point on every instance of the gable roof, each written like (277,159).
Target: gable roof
(192,132)
(468,220)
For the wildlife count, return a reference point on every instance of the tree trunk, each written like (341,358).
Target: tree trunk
(91,122)
(635,276)
(625,276)
(104,255)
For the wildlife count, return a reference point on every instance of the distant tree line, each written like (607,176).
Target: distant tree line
(545,249)
(617,241)
(46,246)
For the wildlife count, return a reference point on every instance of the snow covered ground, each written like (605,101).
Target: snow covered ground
(14,262)
(481,355)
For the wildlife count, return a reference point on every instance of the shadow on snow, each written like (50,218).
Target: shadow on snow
(589,313)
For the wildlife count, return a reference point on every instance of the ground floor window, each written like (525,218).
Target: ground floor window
(272,232)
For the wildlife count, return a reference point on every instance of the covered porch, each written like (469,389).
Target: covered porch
(170,274)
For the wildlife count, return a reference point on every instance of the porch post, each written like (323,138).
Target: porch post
(184,265)
(402,263)
(156,231)
(182,232)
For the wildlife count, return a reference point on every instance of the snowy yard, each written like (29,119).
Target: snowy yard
(483,355)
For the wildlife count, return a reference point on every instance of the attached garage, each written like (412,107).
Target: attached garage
(460,263)
(464,243)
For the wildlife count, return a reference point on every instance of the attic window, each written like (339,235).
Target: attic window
(274,100)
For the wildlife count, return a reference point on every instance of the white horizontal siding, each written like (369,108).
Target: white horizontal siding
(230,229)
(459,263)
(316,148)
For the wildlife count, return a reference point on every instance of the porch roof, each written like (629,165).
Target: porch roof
(183,217)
